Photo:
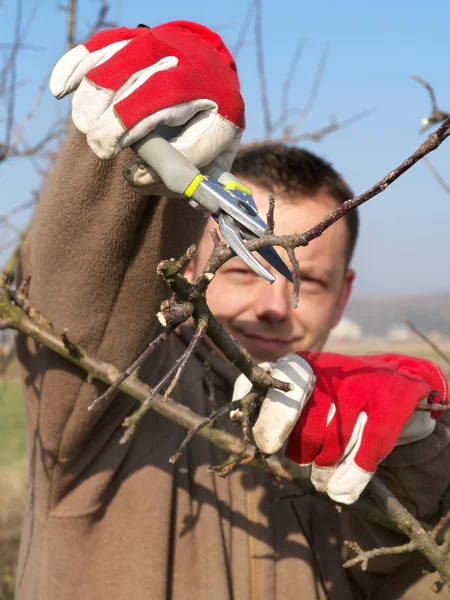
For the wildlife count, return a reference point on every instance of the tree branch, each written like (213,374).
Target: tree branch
(14,317)
(437,115)
(363,556)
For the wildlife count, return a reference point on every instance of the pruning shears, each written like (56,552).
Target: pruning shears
(228,200)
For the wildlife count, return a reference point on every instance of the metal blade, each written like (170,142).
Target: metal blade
(273,258)
(231,233)
(270,254)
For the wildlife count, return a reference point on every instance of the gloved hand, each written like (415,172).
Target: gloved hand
(360,409)
(129,81)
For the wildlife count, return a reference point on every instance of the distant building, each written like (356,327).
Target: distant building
(399,333)
(6,339)
(346,330)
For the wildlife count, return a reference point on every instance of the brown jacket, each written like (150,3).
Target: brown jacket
(105,520)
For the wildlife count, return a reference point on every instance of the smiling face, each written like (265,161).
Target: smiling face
(259,315)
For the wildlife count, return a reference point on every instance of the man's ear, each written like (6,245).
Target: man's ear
(347,285)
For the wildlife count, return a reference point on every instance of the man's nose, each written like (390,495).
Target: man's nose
(274,301)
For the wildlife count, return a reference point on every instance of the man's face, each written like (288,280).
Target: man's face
(259,315)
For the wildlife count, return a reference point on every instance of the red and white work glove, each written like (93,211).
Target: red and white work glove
(345,415)
(127,82)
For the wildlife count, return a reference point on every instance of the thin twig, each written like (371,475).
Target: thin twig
(314,89)
(426,339)
(244,29)
(13,317)
(437,115)
(411,527)
(18,131)
(208,422)
(315,136)
(295,276)
(363,556)
(284,109)
(101,21)
(261,70)
(433,141)
(231,465)
(187,256)
(434,407)
(131,422)
(270,219)
(442,524)
(209,382)
(13,76)
(132,368)
(72,9)
(196,338)
(437,176)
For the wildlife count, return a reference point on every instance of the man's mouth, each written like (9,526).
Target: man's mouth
(257,342)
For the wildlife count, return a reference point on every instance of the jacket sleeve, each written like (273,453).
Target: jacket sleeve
(92,254)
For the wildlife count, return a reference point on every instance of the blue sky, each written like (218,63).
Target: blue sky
(374,47)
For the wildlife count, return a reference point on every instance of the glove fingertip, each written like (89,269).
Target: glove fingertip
(61,80)
(347,486)
(101,150)
(267,443)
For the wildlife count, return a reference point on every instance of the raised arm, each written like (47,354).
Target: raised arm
(95,243)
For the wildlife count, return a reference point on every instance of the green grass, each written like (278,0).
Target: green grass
(12,423)
(12,480)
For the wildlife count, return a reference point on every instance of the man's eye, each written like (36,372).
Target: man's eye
(241,272)
(312,284)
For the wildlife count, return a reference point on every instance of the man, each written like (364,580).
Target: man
(105,520)
(260,317)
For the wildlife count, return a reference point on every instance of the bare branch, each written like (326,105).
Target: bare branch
(270,219)
(244,29)
(437,115)
(426,339)
(363,556)
(221,254)
(17,209)
(284,109)
(175,371)
(12,78)
(295,276)
(315,136)
(408,525)
(434,407)
(72,9)
(443,524)
(208,422)
(261,70)
(18,132)
(13,316)
(195,295)
(187,256)
(198,335)
(437,176)
(433,141)
(39,146)
(101,20)
(429,89)
(132,368)
(232,464)
(314,89)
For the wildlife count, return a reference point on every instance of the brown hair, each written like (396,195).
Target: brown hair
(290,171)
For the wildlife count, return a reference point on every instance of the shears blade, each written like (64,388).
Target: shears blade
(273,258)
(233,233)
